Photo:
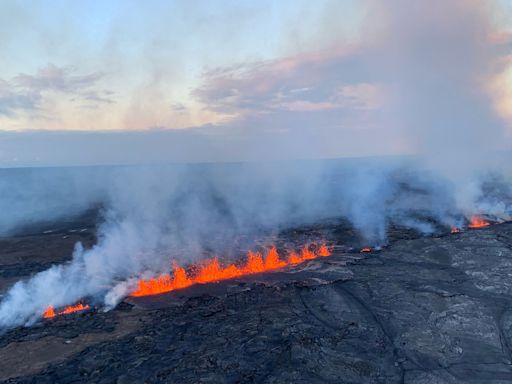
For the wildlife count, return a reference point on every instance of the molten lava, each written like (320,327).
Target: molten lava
(50,311)
(478,222)
(365,250)
(455,230)
(212,271)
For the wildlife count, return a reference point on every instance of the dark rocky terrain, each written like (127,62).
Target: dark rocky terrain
(423,310)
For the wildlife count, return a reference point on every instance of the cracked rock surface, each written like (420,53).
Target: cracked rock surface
(423,310)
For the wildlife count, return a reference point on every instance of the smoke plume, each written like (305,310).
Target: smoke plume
(434,57)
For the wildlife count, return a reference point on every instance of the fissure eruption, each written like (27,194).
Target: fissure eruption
(212,270)
(209,271)
(478,222)
(50,310)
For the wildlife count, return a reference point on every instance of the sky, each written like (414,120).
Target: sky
(107,82)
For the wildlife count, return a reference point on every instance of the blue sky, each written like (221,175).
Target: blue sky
(212,76)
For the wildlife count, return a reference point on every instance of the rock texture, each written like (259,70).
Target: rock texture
(423,310)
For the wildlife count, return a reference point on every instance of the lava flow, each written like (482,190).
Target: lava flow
(365,250)
(455,230)
(478,222)
(50,311)
(212,271)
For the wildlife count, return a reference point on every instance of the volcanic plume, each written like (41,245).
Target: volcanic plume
(209,271)
(433,61)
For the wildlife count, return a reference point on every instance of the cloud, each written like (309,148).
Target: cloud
(27,93)
(421,72)
(13,100)
(48,148)
(317,81)
(56,78)
(390,92)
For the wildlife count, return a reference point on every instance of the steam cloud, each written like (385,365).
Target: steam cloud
(153,215)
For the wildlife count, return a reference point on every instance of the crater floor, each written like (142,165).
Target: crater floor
(423,310)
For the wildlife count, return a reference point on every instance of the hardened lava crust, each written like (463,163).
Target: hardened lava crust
(422,310)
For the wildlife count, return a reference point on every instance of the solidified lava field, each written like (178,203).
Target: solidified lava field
(422,310)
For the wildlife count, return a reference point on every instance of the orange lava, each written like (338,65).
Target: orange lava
(478,222)
(212,271)
(455,230)
(50,311)
(365,250)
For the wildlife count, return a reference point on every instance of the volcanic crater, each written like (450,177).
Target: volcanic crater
(432,309)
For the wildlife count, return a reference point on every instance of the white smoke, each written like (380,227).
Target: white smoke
(438,59)
(433,56)
(155,216)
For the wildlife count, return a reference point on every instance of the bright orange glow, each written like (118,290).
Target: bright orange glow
(455,230)
(365,250)
(324,251)
(50,311)
(294,258)
(212,271)
(478,222)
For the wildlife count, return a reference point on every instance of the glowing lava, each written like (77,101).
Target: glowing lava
(50,311)
(478,222)
(212,271)
(365,250)
(455,230)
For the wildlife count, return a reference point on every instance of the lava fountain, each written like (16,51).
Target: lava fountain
(478,222)
(212,271)
(50,311)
